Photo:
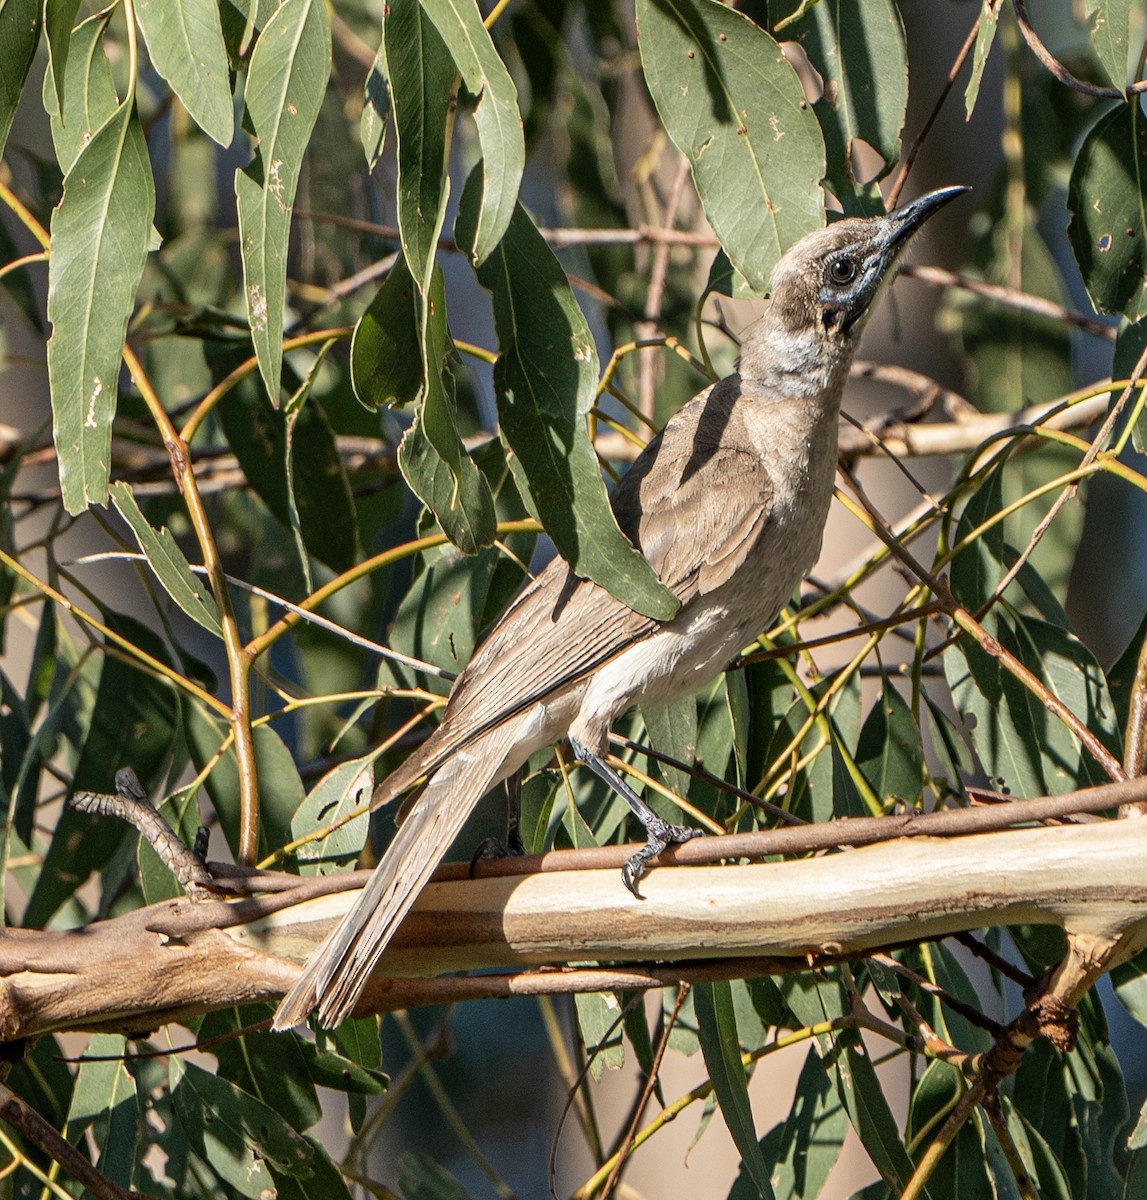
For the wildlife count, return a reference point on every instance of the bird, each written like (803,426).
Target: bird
(727,503)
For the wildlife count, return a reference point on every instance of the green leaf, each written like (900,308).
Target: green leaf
(185,41)
(1043,1166)
(421,74)
(985,36)
(280,788)
(597,1018)
(672,730)
(804,1148)
(262,1064)
(735,108)
(59,17)
(863,1098)
(84,99)
(257,435)
(495,114)
(889,751)
(1025,749)
(962,1171)
(470,507)
(181,811)
(465,513)
(1107,201)
(1111,36)
(133,725)
(375,107)
(421,1178)
(1130,342)
(233,1132)
(19,37)
(168,562)
(100,236)
(851,45)
(104,1100)
(343,788)
(545,380)
(385,354)
(721,1048)
(440,617)
(286,81)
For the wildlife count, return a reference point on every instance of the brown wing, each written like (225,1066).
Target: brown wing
(694,502)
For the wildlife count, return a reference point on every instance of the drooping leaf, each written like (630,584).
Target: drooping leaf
(133,723)
(86,97)
(104,1101)
(1107,200)
(261,1064)
(168,562)
(721,1048)
(375,108)
(286,80)
(100,236)
(601,1031)
(438,423)
(421,74)
(421,1178)
(889,752)
(545,378)
(19,37)
(850,45)
(257,435)
(185,41)
(385,354)
(804,1148)
(1130,342)
(985,36)
(1111,37)
(735,108)
(59,17)
(281,790)
(235,1133)
(868,1112)
(495,114)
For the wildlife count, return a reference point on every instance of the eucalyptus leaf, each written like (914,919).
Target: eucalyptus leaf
(59,17)
(340,791)
(185,41)
(385,355)
(496,116)
(849,44)
(168,562)
(1107,200)
(100,237)
(985,36)
(1111,37)
(19,37)
(545,380)
(421,74)
(734,106)
(721,1048)
(286,79)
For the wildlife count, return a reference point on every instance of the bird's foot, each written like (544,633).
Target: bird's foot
(511,846)
(661,834)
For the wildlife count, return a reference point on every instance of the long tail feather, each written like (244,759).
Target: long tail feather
(337,971)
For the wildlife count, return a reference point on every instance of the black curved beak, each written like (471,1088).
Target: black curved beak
(904,221)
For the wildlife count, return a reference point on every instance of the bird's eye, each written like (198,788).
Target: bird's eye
(842,270)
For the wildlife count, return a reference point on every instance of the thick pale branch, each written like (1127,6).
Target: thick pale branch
(180,958)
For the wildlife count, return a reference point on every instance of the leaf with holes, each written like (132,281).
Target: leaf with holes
(735,108)
(1107,200)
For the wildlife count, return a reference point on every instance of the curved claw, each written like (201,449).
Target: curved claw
(661,834)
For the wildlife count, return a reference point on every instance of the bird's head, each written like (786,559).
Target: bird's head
(829,280)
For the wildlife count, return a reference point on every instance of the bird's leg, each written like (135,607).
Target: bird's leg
(512,846)
(659,832)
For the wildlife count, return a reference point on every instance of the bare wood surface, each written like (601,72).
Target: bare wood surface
(181,958)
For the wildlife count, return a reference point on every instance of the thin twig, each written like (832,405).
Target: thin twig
(1012,297)
(918,141)
(1061,72)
